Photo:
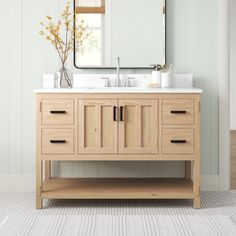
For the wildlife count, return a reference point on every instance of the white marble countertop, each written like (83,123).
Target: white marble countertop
(120,90)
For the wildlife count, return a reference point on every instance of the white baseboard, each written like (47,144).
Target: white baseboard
(27,183)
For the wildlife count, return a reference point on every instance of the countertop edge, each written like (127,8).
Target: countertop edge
(94,91)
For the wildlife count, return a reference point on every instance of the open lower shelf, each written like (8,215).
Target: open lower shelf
(118,189)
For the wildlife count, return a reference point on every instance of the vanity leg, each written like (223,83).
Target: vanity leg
(39,200)
(39,203)
(47,167)
(197,202)
(187,169)
(196,183)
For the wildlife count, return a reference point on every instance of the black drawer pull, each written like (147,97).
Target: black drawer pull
(57,141)
(57,112)
(178,112)
(114,113)
(121,113)
(178,141)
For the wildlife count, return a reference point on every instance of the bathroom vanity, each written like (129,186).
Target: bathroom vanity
(111,124)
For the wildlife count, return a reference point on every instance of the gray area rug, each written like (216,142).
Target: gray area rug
(215,206)
(212,203)
(108,225)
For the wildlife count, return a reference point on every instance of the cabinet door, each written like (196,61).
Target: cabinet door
(138,126)
(97,130)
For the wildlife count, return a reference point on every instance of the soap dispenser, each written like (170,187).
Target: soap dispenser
(156,75)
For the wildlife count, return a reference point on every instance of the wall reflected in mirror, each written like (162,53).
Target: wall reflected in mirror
(130,29)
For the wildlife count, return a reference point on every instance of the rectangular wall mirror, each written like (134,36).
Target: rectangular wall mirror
(133,30)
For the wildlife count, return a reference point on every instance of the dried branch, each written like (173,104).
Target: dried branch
(61,34)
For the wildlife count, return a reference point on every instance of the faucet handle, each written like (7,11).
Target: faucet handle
(107,82)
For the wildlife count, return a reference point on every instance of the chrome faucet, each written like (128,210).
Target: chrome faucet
(118,81)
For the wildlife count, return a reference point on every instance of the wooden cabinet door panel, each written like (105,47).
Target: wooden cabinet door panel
(139,128)
(97,130)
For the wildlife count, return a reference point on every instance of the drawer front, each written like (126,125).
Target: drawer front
(57,141)
(178,141)
(57,111)
(177,111)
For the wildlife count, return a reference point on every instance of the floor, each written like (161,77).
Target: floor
(23,203)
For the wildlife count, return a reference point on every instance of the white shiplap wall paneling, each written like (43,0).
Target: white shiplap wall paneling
(232,64)
(33,59)
(14,89)
(4,89)
(122,169)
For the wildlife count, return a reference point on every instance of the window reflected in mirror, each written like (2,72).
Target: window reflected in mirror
(91,53)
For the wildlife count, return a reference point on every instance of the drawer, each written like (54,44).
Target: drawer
(178,141)
(57,111)
(177,111)
(57,141)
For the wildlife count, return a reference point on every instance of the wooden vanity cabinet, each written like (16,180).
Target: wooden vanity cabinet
(118,127)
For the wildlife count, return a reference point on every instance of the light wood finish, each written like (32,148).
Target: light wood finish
(169,135)
(169,105)
(196,183)
(39,175)
(39,184)
(196,165)
(54,105)
(197,202)
(49,135)
(47,170)
(97,129)
(138,131)
(120,157)
(233,160)
(91,10)
(188,165)
(92,134)
(118,188)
